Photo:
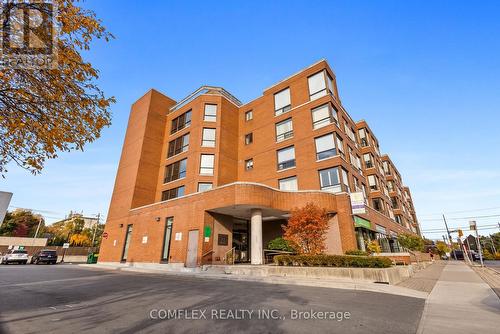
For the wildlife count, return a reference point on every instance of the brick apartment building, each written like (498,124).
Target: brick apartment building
(209,176)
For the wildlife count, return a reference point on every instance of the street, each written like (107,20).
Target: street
(62,298)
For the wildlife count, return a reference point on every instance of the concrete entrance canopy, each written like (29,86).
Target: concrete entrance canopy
(214,210)
(244,211)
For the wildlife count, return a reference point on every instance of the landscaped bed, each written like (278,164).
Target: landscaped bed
(347,261)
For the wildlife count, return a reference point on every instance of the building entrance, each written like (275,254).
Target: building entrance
(241,236)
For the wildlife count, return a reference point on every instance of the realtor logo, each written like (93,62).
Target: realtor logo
(28,34)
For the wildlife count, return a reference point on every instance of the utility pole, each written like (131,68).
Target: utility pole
(473,226)
(95,228)
(493,244)
(449,237)
(36,232)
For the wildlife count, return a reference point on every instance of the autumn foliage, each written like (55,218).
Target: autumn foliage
(47,111)
(306,229)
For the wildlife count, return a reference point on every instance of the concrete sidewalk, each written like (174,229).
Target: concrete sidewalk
(461,302)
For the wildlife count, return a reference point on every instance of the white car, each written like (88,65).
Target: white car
(17,256)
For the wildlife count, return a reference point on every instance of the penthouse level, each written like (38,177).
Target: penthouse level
(209,176)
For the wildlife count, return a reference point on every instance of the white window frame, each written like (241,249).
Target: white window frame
(317,87)
(285,164)
(331,187)
(207,164)
(208,142)
(330,149)
(324,121)
(210,184)
(280,136)
(284,184)
(208,116)
(282,102)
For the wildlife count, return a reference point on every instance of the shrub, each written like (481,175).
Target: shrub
(280,244)
(373,247)
(333,261)
(357,252)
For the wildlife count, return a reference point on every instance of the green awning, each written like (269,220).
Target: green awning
(360,222)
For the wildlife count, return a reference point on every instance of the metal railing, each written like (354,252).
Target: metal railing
(229,256)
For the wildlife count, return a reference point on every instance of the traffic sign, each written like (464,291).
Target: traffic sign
(66,245)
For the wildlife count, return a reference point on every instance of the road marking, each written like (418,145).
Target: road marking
(53,307)
(59,280)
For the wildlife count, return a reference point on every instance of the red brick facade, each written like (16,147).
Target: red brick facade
(162,160)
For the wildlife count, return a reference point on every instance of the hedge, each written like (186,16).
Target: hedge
(357,252)
(333,261)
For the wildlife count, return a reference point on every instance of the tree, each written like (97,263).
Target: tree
(79,240)
(21,223)
(43,112)
(411,242)
(62,231)
(442,248)
(306,229)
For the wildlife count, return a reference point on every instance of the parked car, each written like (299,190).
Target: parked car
(45,255)
(475,255)
(458,253)
(16,256)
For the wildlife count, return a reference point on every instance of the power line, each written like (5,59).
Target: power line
(462,211)
(460,218)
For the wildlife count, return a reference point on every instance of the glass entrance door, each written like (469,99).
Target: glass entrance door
(240,241)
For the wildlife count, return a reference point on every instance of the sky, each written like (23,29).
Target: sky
(424,75)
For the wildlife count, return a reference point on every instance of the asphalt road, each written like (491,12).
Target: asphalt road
(71,299)
(493,264)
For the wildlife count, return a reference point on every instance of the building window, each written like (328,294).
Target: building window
(282,102)
(329,180)
(286,158)
(323,116)
(394,202)
(210,114)
(175,171)
(340,146)
(172,193)
(390,185)
(178,145)
(290,184)
(204,186)
(378,205)
(284,130)
(208,138)
(249,115)
(363,137)
(349,131)
(317,85)
(248,138)
(249,164)
(207,164)
(325,146)
(345,180)
(181,122)
(387,169)
(399,219)
(372,182)
(367,157)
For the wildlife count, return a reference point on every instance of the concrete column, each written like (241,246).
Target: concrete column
(256,237)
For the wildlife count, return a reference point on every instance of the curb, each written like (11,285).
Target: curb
(332,284)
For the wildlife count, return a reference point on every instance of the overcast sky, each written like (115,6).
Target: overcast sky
(425,75)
